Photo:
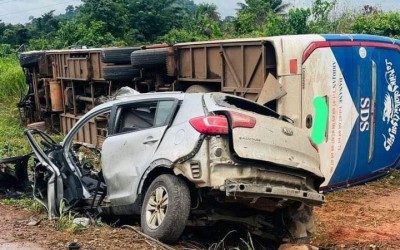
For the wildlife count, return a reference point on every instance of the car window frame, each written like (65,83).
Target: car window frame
(82,122)
(69,139)
(116,112)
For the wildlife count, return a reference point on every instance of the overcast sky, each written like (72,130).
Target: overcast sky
(19,11)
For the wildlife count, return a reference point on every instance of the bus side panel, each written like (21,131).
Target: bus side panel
(359,83)
(373,146)
(329,74)
(343,136)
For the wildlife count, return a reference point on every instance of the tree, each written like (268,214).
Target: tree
(379,23)
(45,26)
(205,24)
(298,21)
(15,34)
(208,10)
(207,21)
(112,13)
(2,28)
(99,23)
(154,18)
(368,10)
(252,15)
(70,12)
(320,22)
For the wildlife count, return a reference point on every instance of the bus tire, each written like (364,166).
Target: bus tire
(150,58)
(30,59)
(117,55)
(120,72)
(198,89)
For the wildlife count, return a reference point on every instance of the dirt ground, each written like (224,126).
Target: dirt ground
(15,233)
(363,217)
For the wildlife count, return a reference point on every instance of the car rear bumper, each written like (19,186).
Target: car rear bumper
(245,189)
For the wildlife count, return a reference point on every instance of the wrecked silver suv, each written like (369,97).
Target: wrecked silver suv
(185,159)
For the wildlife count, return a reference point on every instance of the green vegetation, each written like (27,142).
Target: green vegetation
(99,23)
(65,221)
(378,23)
(26,203)
(12,79)
(12,82)
(12,139)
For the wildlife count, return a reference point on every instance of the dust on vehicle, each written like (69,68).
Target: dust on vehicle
(182,160)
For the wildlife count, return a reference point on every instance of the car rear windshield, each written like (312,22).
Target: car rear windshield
(244,104)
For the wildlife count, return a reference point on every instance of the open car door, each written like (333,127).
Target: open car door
(56,185)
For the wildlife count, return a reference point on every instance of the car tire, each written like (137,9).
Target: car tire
(165,221)
(150,58)
(30,59)
(117,55)
(198,89)
(119,72)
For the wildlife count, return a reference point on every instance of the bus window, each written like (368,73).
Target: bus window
(372,133)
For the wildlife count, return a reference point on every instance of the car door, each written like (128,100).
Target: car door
(54,183)
(137,130)
(58,180)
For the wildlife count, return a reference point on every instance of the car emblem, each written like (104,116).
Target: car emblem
(287,131)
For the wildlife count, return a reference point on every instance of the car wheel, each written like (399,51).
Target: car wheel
(165,208)
(117,55)
(150,59)
(198,89)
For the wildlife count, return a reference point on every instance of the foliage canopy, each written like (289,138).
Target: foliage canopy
(98,23)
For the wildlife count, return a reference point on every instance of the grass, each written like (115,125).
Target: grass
(65,221)
(12,78)
(26,203)
(12,81)
(12,139)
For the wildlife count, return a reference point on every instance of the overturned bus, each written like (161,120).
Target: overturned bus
(341,89)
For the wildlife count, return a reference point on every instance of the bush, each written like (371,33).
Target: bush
(379,23)
(5,50)
(181,35)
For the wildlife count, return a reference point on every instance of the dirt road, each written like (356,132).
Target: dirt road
(363,217)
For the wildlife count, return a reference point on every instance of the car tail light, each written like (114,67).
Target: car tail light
(218,124)
(242,121)
(210,125)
